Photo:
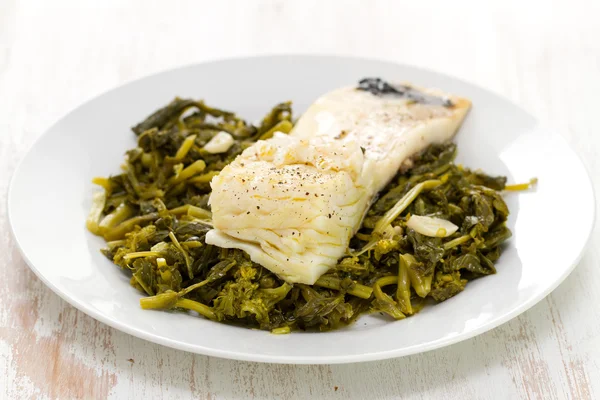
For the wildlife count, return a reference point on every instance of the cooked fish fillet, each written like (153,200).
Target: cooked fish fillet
(293,202)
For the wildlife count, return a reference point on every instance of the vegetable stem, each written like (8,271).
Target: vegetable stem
(457,242)
(198,212)
(363,236)
(384,226)
(120,214)
(284,126)
(403,203)
(200,308)
(384,299)
(119,231)
(184,148)
(281,330)
(139,254)
(93,219)
(195,168)
(421,283)
(521,186)
(180,210)
(192,211)
(161,262)
(171,299)
(358,290)
(192,245)
(115,243)
(104,182)
(386,281)
(204,178)
(403,290)
(164,300)
(186,256)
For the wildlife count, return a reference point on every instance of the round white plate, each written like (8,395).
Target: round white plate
(51,191)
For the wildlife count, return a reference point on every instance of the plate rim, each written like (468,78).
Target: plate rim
(279,359)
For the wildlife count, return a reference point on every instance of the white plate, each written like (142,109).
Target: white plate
(50,196)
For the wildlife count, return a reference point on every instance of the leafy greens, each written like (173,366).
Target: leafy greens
(154,217)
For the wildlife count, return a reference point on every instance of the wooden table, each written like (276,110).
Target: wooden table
(55,55)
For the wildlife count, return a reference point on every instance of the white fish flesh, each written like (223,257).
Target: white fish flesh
(293,202)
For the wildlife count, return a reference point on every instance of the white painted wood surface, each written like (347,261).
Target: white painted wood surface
(54,55)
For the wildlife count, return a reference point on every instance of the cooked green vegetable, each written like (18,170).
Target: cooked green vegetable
(155,216)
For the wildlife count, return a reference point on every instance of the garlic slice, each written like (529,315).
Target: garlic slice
(431,226)
(220,143)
